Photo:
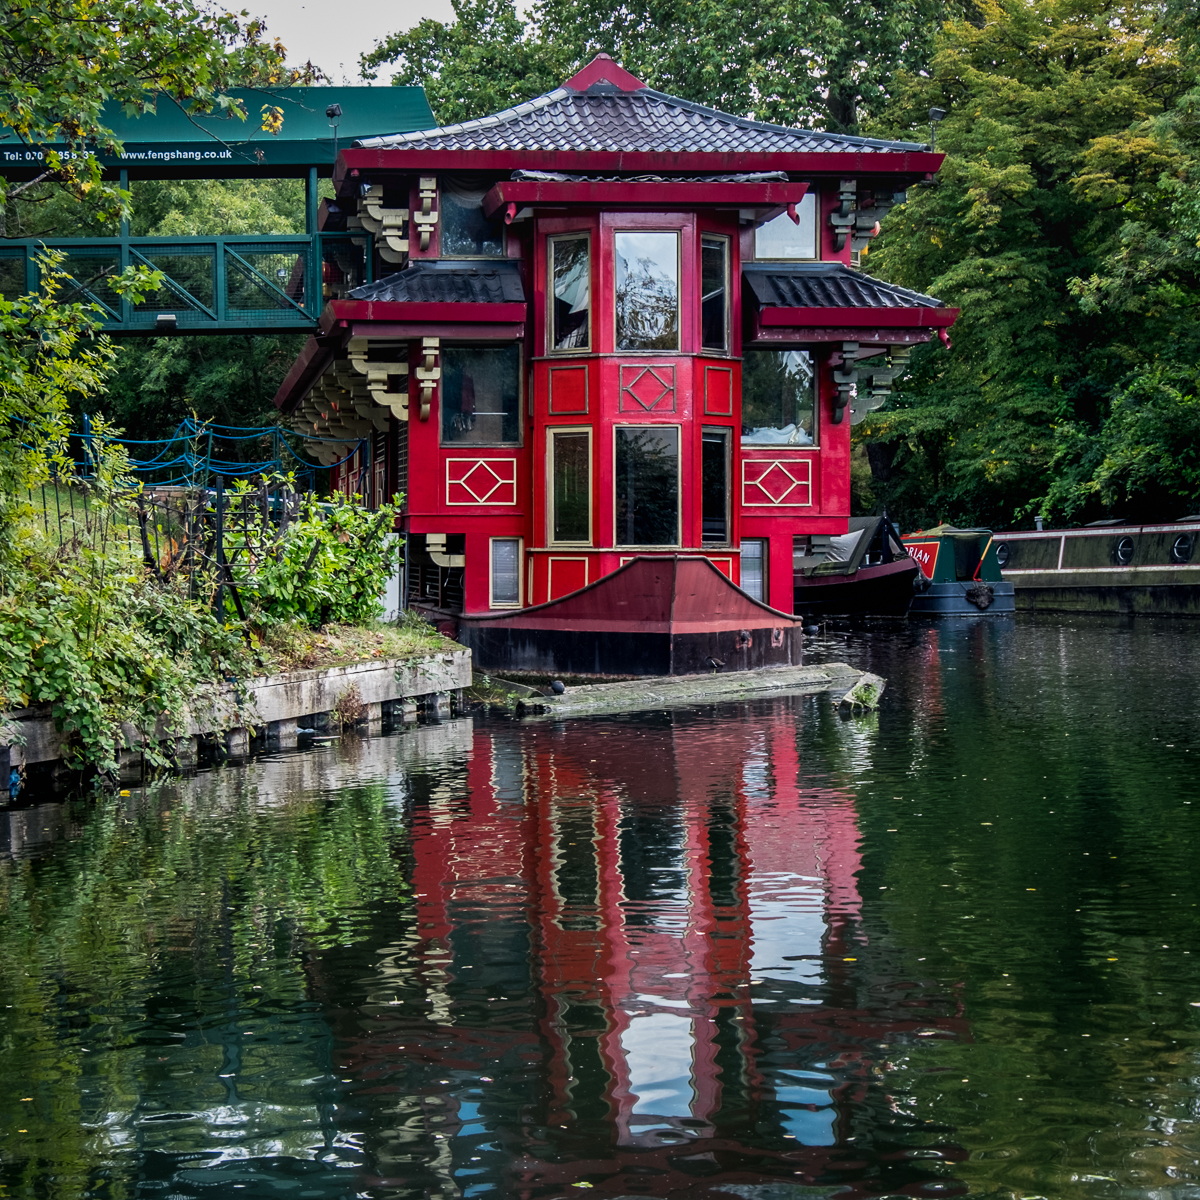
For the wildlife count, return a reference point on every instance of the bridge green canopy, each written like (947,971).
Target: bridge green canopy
(172,143)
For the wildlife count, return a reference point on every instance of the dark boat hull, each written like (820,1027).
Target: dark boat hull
(882,590)
(589,652)
(669,615)
(965,600)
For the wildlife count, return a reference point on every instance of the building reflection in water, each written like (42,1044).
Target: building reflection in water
(638,963)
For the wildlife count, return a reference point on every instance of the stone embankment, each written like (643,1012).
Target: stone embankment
(272,706)
(274,709)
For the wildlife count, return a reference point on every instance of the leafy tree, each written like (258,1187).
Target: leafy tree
(1143,459)
(826,62)
(486,60)
(49,356)
(1059,158)
(44,360)
(230,379)
(62,61)
(197,207)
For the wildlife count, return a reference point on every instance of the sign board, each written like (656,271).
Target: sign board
(172,143)
(926,555)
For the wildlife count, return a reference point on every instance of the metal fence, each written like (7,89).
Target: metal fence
(188,538)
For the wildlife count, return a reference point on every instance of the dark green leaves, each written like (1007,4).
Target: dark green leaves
(1051,224)
(825,63)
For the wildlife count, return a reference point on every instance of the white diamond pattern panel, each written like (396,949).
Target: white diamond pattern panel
(776,483)
(474,481)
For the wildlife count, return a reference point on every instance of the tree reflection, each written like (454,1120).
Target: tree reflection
(738,947)
(152,971)
(647,291)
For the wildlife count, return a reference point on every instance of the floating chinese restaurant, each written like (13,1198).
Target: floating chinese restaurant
(611,325)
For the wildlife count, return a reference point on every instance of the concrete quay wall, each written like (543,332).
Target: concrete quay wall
(272,704)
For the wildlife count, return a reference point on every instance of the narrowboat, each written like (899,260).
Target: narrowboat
(863,572)
(960,573)
(1105,567)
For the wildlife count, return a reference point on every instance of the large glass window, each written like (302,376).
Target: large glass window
(571,283)
(466,232)
(714,293)
(783,238)
(570,486)
(647,484)
(778,398)
(481,395)
(506,572)
(754,567)
(647,296)
(714,485)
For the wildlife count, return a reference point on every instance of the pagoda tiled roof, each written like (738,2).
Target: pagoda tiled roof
(826,285)
(604,117)
(448,281)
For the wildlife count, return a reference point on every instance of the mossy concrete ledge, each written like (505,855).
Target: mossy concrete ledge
(275,705)
(670,690)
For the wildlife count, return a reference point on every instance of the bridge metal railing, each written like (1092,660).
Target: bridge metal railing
(234,284)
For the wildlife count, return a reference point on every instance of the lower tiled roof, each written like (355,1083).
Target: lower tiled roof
(448,281)
(826,285)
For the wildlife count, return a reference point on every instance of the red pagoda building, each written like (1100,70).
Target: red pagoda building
(617,326)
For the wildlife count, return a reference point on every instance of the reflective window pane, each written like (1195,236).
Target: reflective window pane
(647,483)
(465,231)
(714,293)
(571,275)
(783,238)
(571,487)
(754,567)
(481,395)
(647,297)
(506,571)
(778,398)
(714,485)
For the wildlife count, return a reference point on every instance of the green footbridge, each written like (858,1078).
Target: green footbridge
(222,284)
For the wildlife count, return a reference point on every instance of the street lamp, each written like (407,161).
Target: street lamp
(935,115)
(334,113)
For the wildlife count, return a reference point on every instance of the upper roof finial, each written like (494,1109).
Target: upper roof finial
(602,69)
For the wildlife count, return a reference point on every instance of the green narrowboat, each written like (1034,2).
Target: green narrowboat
(960,573)
(1105,567)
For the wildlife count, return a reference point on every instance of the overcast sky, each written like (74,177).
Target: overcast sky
(334,33)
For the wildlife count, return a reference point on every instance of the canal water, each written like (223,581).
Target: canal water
(738,950)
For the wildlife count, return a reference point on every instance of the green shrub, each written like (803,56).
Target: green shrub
(329,567)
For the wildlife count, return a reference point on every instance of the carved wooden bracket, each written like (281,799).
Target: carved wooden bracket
(435,545)
(428,373)
(845,380)
(372,383)
(426,218)
(389,225)
(858,223)
(875,382)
